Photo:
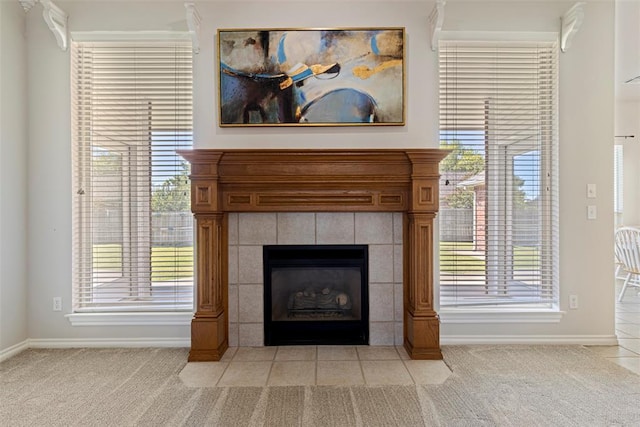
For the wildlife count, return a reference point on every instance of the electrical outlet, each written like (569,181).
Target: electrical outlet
(592,212)
(573,302)
(57,303)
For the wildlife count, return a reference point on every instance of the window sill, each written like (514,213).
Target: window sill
(452,315)
(130,319)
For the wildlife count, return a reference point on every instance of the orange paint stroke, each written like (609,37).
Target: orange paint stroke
(365,72)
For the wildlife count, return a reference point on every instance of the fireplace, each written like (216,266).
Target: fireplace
(257,181)
(316,294)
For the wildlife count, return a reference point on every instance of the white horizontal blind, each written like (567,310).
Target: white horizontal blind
(498,212)
(133,230)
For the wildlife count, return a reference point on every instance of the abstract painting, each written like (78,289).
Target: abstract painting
(311,77)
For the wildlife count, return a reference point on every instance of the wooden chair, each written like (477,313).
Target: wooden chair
(627,250)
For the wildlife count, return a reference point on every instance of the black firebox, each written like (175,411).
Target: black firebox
(316,294)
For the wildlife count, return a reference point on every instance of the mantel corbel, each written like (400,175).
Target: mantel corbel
(570,23)
(436,18)
(193,23)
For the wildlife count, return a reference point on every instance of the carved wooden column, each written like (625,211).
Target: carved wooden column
(421,323)
(210,324)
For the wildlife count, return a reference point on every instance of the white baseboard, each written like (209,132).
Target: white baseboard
(94,343)
(529,339)
(186,342)
(109,342)
(13,350)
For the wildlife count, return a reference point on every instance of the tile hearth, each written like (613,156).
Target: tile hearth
(314,365)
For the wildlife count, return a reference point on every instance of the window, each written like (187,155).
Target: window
(498,213)
(133,231)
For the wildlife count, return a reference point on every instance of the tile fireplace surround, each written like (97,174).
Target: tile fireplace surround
(243,199)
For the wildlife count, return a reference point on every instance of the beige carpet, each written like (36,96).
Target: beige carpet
(490,385)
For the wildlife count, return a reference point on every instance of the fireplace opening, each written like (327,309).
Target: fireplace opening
(316,294)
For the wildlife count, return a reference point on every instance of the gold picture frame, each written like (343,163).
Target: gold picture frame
(311,77)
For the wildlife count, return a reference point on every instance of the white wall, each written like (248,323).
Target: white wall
(13,176)
(628,123)
(586,155)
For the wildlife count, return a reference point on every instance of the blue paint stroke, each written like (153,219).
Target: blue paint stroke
(374,45)
(341,106)
(282,56)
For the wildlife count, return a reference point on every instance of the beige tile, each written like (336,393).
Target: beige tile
(628,317)
(233,303)
(620,335)
(397,264)
(202,374)
(398,219)
(385,372)
(296,228)
(233,228)
(257,228)
(382,333)
(250,265)
(612,351)
(627,307)
(629,328)
(339,372)
(254,354)
(398,303)
(233,264)
(331,352)
(233,334)
(630,363)
(292,373)
(381,303)
(245,374)
(229,354)
(250,303)
(428,371)
(402,352)
(632,344)
(373,352)
(303,352)
(398,334)
(380,263)
(374,227)
(250,334)
(335,228)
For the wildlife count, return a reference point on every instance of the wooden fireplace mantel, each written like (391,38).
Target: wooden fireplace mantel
(403,180)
